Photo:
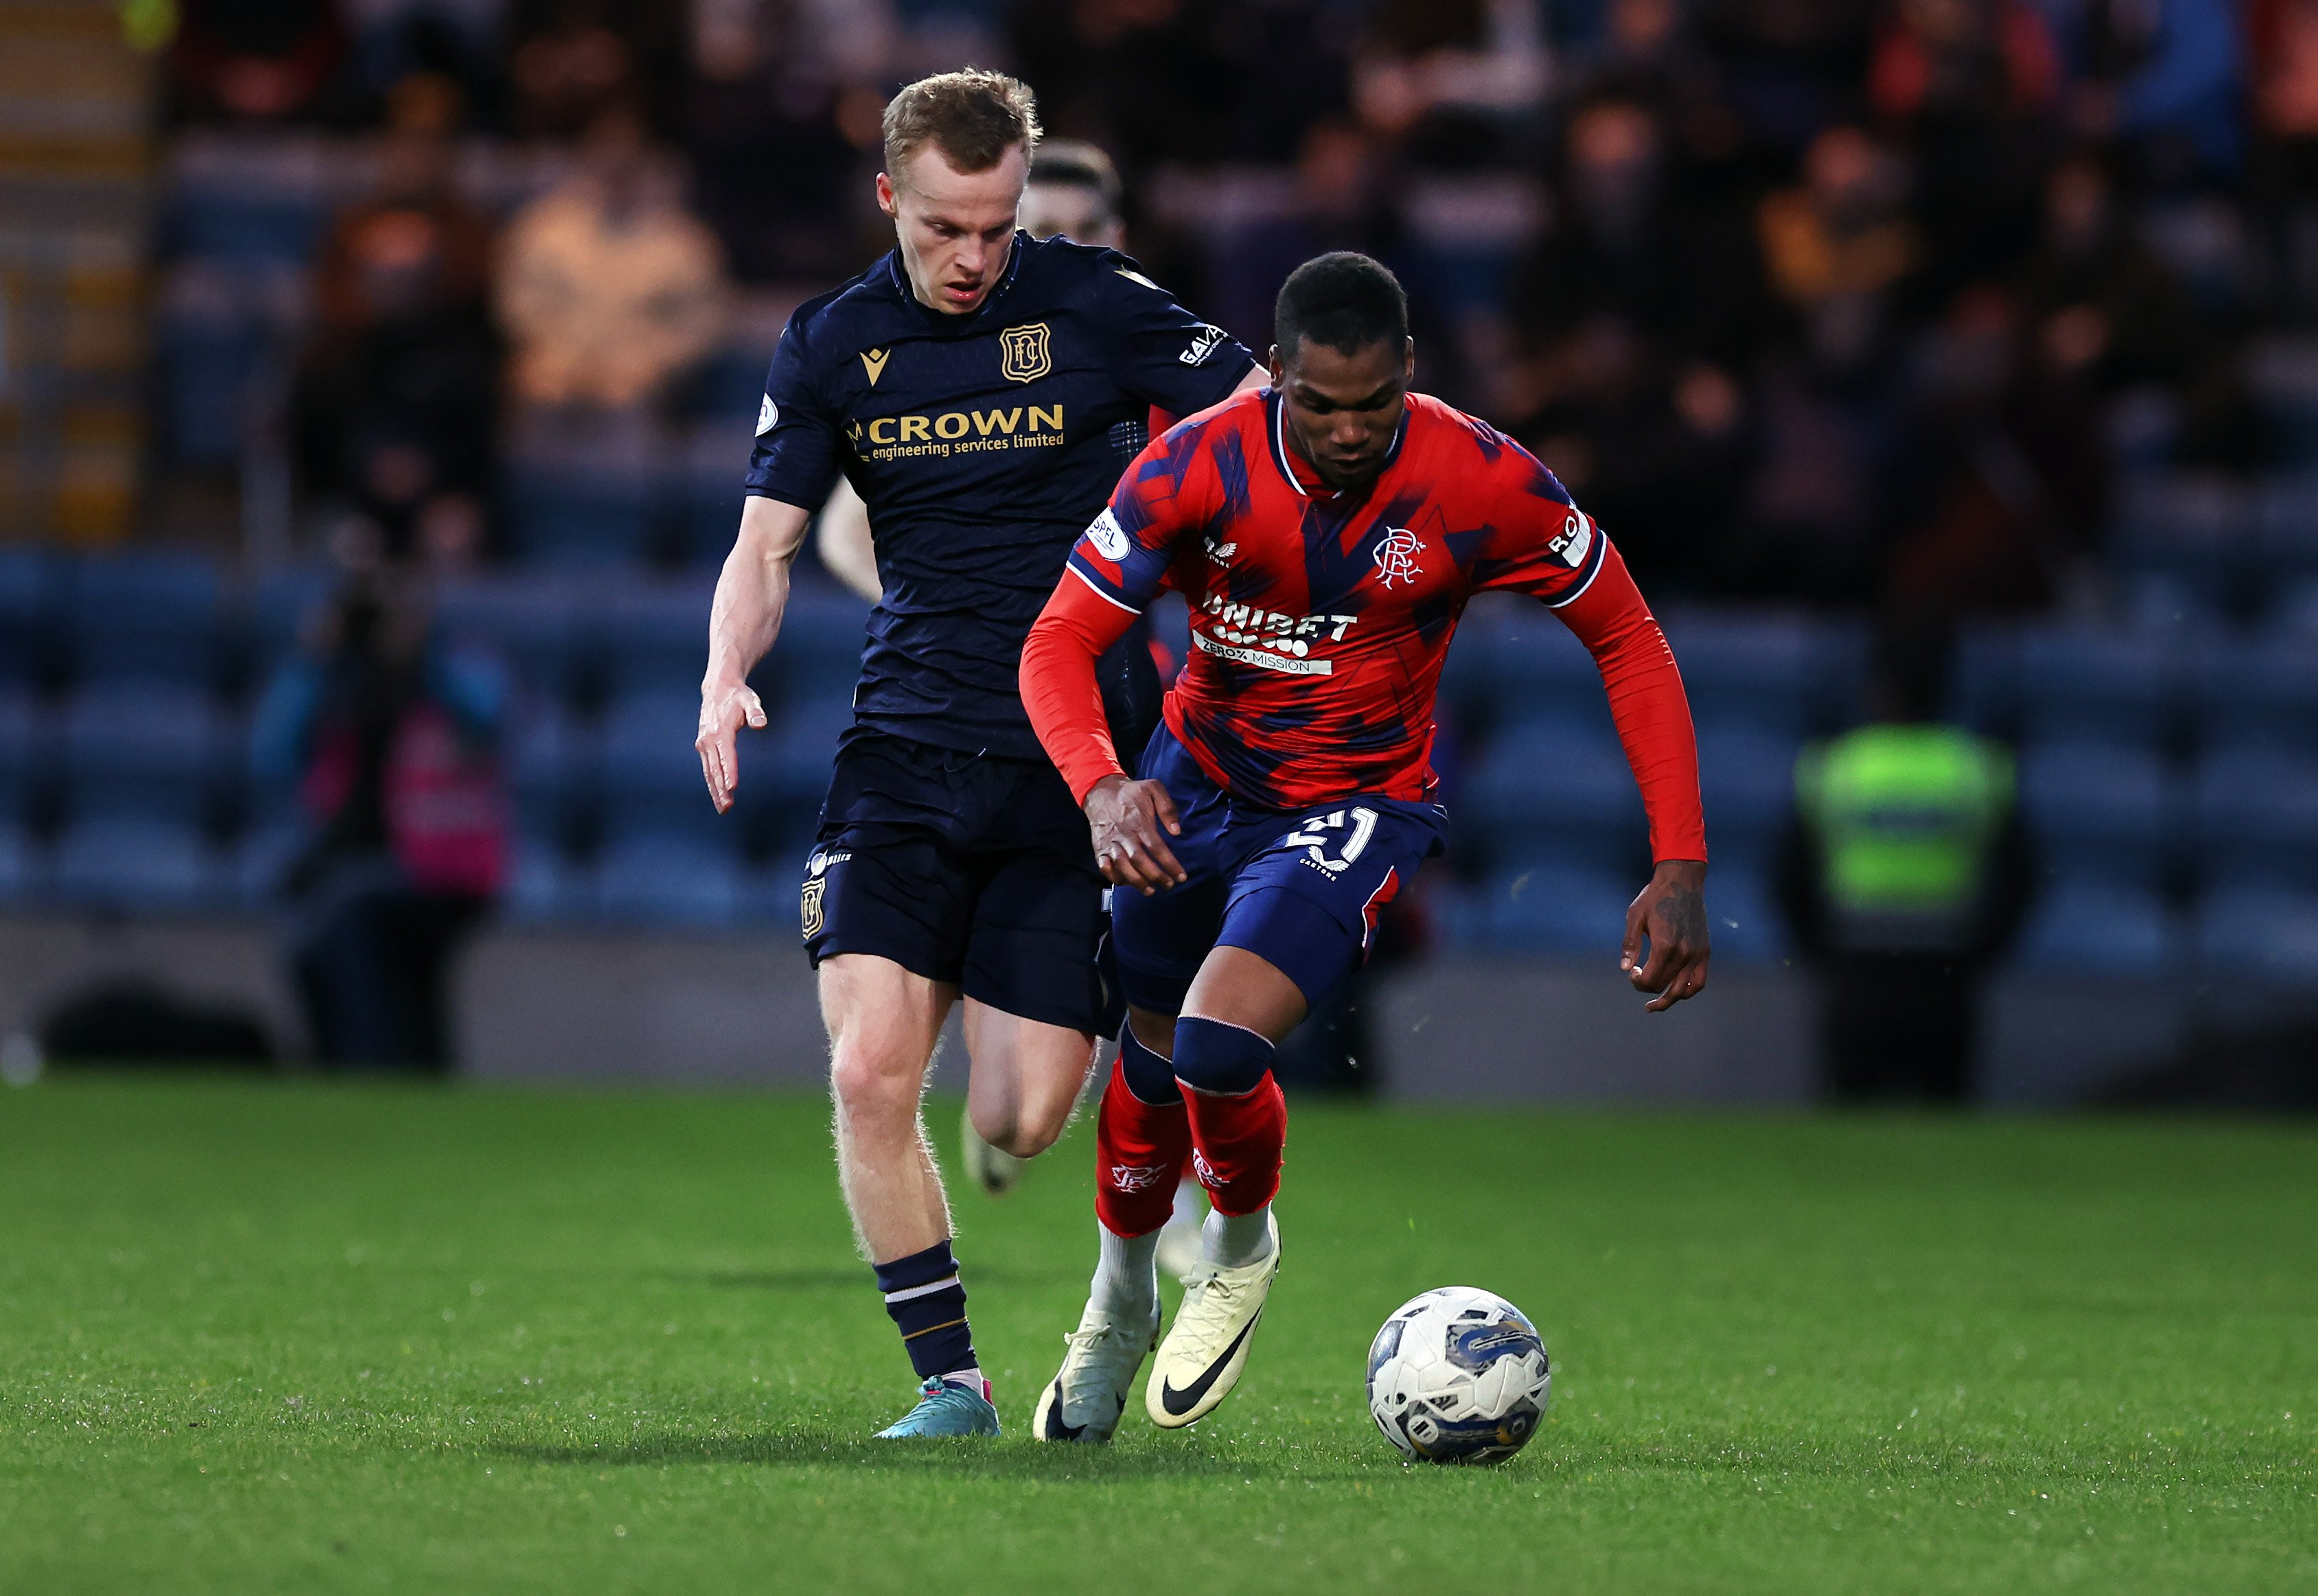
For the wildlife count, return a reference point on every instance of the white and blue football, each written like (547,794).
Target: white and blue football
(1458,1375)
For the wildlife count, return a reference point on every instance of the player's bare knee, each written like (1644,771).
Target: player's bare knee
(873,1086)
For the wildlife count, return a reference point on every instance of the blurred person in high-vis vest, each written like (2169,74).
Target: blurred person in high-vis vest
(1905,875)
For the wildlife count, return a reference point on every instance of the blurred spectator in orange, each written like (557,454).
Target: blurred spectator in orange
(256,61)
(397,393)
(1840,245)
(1638,318)
(607,287)
(2283,35)
(391,740)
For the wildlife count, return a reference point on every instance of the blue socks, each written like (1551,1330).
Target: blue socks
(927,1302)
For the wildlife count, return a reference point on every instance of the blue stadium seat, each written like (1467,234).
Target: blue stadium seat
(211,340)
(2099,812)
(1562,795)
(140,751)
(132,864)
(1748,779)
(554,772)
(652,773)
(541,887)
(2259,693)
(18,880)
(1555,909)
(578,517)
(256,867)
(531,622)
(21,755)
(2258,818)
(818,655)
(153,617)
(1530,667)
(2286,531)
(2263,934)
(1759,671)
(1743,918)
(2102,928)
(667,881)
(28,606)
(2082,685)
(2196,529)
(655,637)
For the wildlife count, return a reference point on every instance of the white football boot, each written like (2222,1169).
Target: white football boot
(995,1173)
(1199,1361)
(1084,1401)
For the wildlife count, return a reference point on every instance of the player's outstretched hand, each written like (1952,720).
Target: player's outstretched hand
(1671,912)
(1132,821)
(722,712)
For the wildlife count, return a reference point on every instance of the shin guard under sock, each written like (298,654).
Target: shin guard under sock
(1239,1119)
(1140,1146)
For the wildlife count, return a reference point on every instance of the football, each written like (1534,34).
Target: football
(1458,1375)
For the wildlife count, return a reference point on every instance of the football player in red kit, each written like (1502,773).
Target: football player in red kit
(1327,532)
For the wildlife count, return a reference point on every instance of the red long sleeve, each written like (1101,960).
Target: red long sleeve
(1059,689)
(1648,703)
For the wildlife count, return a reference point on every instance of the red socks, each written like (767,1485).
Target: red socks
(1139,1150)
(1239,1140)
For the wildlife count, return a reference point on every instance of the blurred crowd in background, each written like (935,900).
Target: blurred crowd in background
(1961,354)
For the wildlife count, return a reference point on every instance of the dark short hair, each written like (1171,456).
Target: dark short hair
(1342,300)
(972,117)
(1074,162)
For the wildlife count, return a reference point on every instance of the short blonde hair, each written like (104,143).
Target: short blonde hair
(972,117)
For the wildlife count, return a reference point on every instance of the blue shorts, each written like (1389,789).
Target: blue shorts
(1300,889)
(963,868)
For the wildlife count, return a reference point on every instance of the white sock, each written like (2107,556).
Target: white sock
(1187,1203)
(1125,1283)
(972,1379)
(1234,1241)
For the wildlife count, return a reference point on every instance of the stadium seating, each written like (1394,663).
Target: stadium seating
(553,770)
(2102,929)
(2264,935)
(140,751)
(1557,908)
(1562,795)
(1748,779)
(2258,692)
(17,879)
(653,785)
(20,754)
(122,863)
(655,637)
(2100,813)
(2257,819)
(1743,918)
(154,617)
(1758,672)
(27,612)
(667,880)
(581,515)
(2081,685)
(2197,531)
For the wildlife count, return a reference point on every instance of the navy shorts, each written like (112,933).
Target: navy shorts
(1299,888)
(963,868)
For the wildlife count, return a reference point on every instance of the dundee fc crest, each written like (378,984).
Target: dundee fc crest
(1022,353)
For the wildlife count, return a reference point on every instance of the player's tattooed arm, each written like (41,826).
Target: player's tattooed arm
(1671,914)
(1131,821)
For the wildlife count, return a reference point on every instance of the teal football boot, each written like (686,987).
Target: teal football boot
(944,1410)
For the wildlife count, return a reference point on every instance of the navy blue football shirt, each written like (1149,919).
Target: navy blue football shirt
(983,445)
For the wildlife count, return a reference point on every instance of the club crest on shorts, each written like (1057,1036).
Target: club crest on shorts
(1396,556)
(1022,353)
(809,905)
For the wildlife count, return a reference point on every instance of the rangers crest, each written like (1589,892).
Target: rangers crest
(1396,556)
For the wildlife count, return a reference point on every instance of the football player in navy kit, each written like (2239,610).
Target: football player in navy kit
(968,386)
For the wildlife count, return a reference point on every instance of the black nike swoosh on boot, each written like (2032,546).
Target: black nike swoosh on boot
(1198,1388)
(1056,1430)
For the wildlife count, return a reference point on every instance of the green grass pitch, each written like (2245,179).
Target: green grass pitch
(314,1339)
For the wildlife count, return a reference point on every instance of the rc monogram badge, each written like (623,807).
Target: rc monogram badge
(1023,357)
